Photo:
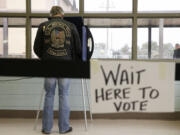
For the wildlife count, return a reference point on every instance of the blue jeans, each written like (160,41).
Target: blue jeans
(64,109)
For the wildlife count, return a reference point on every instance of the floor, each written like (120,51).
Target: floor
(95,127)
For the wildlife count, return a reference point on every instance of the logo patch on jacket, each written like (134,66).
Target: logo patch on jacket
(58,37)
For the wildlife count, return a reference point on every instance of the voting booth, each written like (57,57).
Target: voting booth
(85,35)
(87,51)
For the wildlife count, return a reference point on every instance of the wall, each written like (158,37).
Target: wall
(177,95)
(25,94)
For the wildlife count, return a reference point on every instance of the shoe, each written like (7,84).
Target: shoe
(69,130)
(44,132)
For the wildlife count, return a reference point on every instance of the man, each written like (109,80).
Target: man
(57,39)
(176,54)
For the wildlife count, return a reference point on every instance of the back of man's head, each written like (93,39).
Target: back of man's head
(56,10)
(177,45)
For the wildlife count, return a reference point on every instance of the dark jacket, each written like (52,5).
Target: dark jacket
(57,39)
(176,54)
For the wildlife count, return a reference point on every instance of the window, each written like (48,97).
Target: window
(12,5)
(13,37)
(45,5)
(34,31)
(1,41)
(157,38)
(142,45)
(16,42)
(158,6)
(112,37)
(112,43)
(108,6)
(113,33)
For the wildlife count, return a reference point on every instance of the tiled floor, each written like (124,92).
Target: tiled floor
(96,127)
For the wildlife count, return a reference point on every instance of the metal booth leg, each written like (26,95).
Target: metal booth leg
(87,91)
(39,109)
(84,103)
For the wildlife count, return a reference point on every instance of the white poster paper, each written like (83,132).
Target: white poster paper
(132,86)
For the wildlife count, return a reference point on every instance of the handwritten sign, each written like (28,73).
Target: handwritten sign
(132,86)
